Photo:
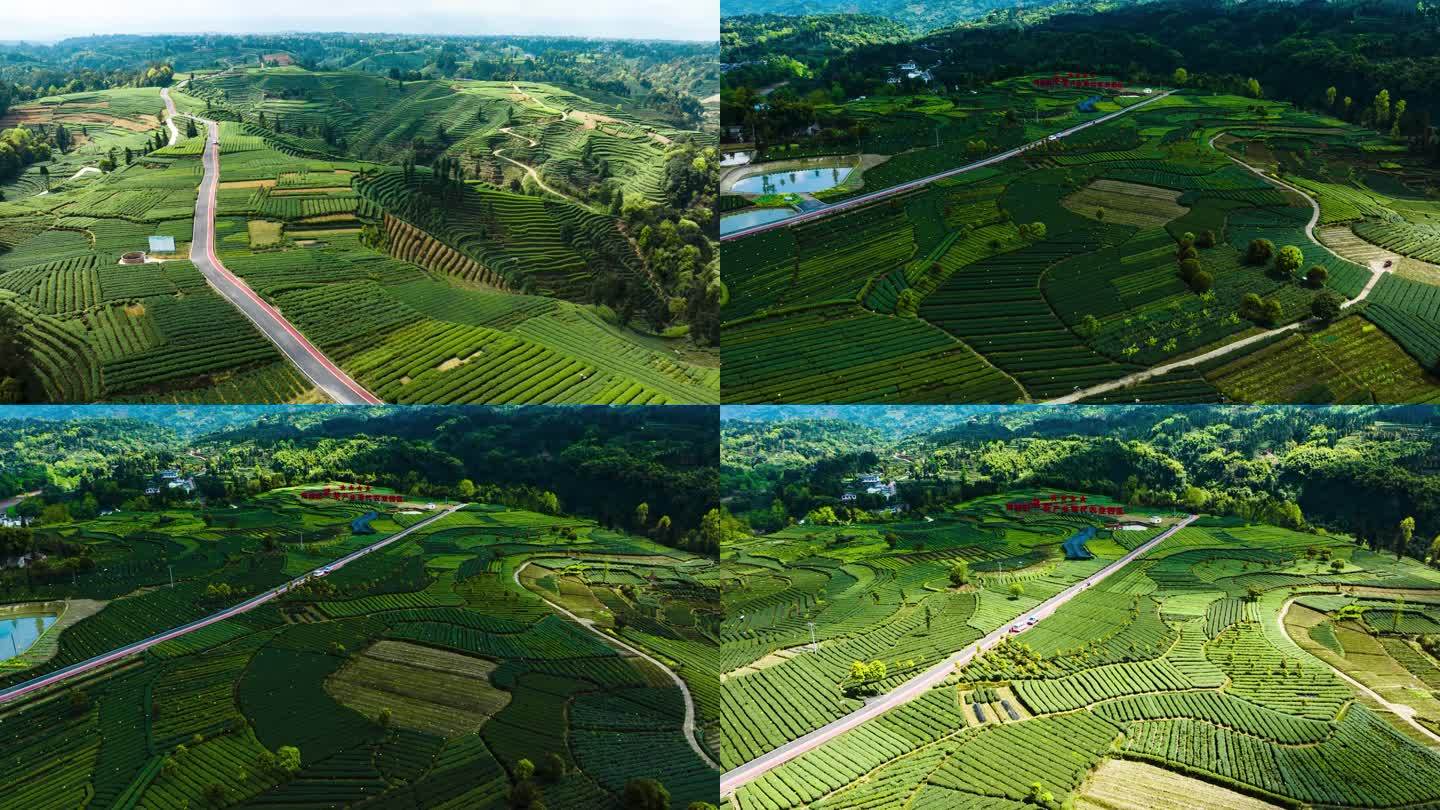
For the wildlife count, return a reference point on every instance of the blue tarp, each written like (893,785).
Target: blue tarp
(361,525)
(1075,547)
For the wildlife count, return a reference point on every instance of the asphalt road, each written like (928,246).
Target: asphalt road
(689,725)
(11,501)
(253,602)
(866,199)
(308,359)
(1377,269)
(922,683)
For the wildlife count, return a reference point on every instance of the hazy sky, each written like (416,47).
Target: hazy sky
(639,19)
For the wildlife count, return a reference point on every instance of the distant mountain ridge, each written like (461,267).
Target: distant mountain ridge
(919,17)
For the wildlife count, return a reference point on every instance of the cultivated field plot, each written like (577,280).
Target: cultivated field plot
(1202,674)
(418,675)
(482,287)
(1118,248)
(870,598)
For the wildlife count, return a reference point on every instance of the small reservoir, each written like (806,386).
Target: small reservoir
(741,220)
(799,180)
(19,633)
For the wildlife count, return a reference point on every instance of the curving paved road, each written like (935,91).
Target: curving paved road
(253,602)
(1406,713)
(922,683)
(1377,269)
(865,199)
(689,726)
(308,359)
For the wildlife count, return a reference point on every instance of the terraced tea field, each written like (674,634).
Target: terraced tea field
(1113,264)
(1233,664)
(421,675)
(474,288)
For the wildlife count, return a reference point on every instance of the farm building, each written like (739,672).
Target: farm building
(162,244)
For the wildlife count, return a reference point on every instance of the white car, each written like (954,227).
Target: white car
(1019,628)
(323,571)
(1031,621)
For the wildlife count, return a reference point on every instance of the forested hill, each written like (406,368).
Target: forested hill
(1357,470)
(1296,51)
(594,462)
(918,17)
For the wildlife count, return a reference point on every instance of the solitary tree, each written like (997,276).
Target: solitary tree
(1407,531)
(1330,97)
(1017,590)
(1260,251)
(645,794)
(1289,260)
(1181,76)
(959,573)
(1317,275)
(1326,306)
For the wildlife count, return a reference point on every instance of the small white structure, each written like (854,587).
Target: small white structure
(162,244)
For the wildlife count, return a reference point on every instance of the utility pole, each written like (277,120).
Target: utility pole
(813,644)
(171,569)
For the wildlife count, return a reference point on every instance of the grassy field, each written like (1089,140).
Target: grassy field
(1065,267)
(419,675)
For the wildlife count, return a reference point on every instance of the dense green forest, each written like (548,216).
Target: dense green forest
(1358,471)
(1318,55)
(917,17)
(599,463)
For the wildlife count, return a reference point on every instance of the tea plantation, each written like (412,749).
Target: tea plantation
(1234,661)
(439,671)
(440,241)
(1153,240)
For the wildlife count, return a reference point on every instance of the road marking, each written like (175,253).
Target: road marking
(210,164)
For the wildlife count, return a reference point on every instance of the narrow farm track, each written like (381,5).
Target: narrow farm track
(916,687)
(535,175)
(866,199)
(1376,271)
(74,670)
(303,354)
(1406,713)
(689,725)
(530,170)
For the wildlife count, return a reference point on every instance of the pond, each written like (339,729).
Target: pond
(796,181)
(755,216)
(18,633)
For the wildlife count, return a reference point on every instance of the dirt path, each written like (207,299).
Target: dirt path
(689,726)
(1406,713)
(530,170)
(1377,269)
